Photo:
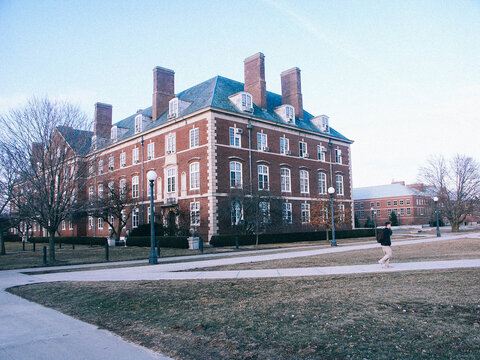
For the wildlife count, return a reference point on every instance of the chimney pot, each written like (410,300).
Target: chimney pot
(254,67)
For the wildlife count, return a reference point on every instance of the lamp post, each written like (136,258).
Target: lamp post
(435,199)
(331,191)
(374,218)
(152,259)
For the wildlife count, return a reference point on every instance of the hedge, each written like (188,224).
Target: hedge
(229,240)
(11,238)
(78,240)
(177,242)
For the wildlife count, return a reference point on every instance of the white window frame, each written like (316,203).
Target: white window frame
(171,144)
(173,108)
(322,183)
(113,133)
(305,213)
(284,145)
(64,224)
(151,151)
(100,191)
(123,186)
(263,183)
(135,218)
(100,223)
(194,138)
(123,159)
(138,123)
(304,182)
(236,212)
(111,163)
(338,156)
(302,149)
(235,139)
(287,212)
(262,141)
(100,167)
(247,103)
(285,180)
(135,155)
(171,180)
(321,153)
(195,176)
(235,174)
(90,222)
(135,187)
(339,184)
(195,213)
(90,193)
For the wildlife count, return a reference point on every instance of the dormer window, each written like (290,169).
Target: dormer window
(173,108)
(325,123)
(113,133)
(138,123)
(242,101)
(286,113)
(322,123)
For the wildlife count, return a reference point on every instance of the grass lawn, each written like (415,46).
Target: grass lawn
(415,315)
(83,254)
(443,250)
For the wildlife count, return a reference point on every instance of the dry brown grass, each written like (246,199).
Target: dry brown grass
(417,315)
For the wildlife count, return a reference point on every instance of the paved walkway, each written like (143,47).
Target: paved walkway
(31,331)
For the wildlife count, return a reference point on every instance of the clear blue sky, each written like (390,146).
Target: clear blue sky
(401,78)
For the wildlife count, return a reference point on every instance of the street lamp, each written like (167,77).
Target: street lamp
(331,191)
(435,199)
(152,259)
(374,218)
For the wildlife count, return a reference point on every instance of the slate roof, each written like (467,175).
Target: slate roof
(214,93)
(79,140)
(384,191)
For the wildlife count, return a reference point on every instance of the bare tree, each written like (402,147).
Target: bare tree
(46,141)
(114,206)
(320,215)
(456,183)
(7,180)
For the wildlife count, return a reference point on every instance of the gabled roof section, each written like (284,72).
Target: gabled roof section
(79,140)
(214,93)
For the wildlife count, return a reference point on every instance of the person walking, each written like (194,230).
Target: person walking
(386,243)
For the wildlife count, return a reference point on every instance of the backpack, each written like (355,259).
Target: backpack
(380,235)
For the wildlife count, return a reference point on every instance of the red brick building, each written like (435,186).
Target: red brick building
(412,203)
(213,140)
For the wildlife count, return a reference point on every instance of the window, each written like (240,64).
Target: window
(149,214)
(341,210)
(378,203)
(235,137)
(362,205)
(389,212)
(111,163)
(90,222)
(302,146)
(321,152)
(287,213)
(262,142)
(113,133)
(91,169)
(194,138)
(304,185)
(135,187)
(289,112)
(322,183)
(339,182)
(264,209)
(284,146)
(100,224)
(379,213)
(111,219)
(111,188)
(138,123)
(401,202)
(100,167)
(151,151)
(389,203)
(173,108)
(285,180)
(123,159)
(236,212)
(171,175)
(305,213)
(195,213)
(409,211)
(395,202)
(371,204)
(123,186)
(356,205)
(100,191)
(90,193)
(338,156)
(362,214)
(171,144)
(408,201)
(135,156)
(135,218)
(63,224)
(235,174)
(262,177)
(402,211)
(194,176)
(246,101)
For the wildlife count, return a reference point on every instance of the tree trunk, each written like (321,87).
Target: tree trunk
(2,241)
(256,241)
(51,252)
(455,226)
(326,231)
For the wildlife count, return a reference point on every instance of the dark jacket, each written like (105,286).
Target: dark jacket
(386,237)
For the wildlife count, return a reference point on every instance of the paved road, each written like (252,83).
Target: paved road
(31,331)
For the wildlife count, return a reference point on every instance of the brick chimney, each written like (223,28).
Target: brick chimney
(103,120)
(163,90)
(292,90)
(255,79)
